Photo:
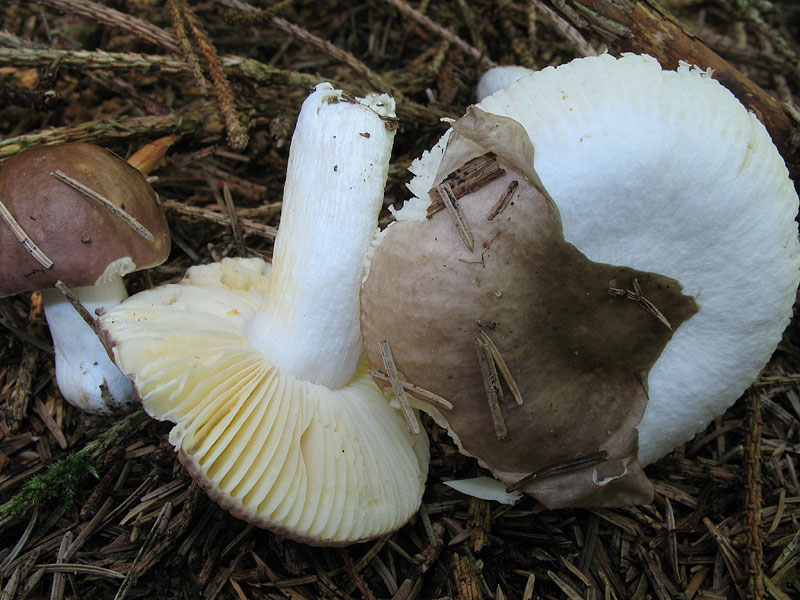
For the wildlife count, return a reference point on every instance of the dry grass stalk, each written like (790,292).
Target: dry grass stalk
(558,468)
(247,226)
(24,238)
(636,296)
(87,317)
(96,11)
(115,210)
(416,391)
(443,32)
(445,192)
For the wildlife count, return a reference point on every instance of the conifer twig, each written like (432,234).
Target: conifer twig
(237,131)
(114,18)
(202,119)
(441,31)
(754,552)
(28,365)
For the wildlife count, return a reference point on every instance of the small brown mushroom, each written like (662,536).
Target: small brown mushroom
(78,214)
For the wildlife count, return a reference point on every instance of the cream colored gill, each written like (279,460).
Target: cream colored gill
(320,465)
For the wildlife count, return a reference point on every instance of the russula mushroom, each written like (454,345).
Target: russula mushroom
(598,260)
(260,366)
(497,78)
(78,214)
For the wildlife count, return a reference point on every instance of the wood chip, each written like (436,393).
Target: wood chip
(504,200)
(416,391)
(492,387)
(399,392)
(471,176)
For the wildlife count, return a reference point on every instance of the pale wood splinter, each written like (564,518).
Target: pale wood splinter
(451,203)
(501,364)
(504,200)
(128,219)
(636,296)
(492,387)
(399,392)
(24,238)
(560,467)
(416,391)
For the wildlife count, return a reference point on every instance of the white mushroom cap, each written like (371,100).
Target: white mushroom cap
(497,78)
(666,172)
(663,172)
(260,365)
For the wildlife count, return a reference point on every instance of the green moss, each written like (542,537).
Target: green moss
(60,482)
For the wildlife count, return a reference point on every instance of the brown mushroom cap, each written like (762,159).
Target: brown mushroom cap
(579,355)
(77,233)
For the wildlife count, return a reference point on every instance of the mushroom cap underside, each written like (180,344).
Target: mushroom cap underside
(322,466)
(663,172)
(80,236)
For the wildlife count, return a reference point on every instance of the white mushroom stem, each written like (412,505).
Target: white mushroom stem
(308,324)
(85,374)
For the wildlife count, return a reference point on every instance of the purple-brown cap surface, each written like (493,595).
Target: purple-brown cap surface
(70,228)
(531,299)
